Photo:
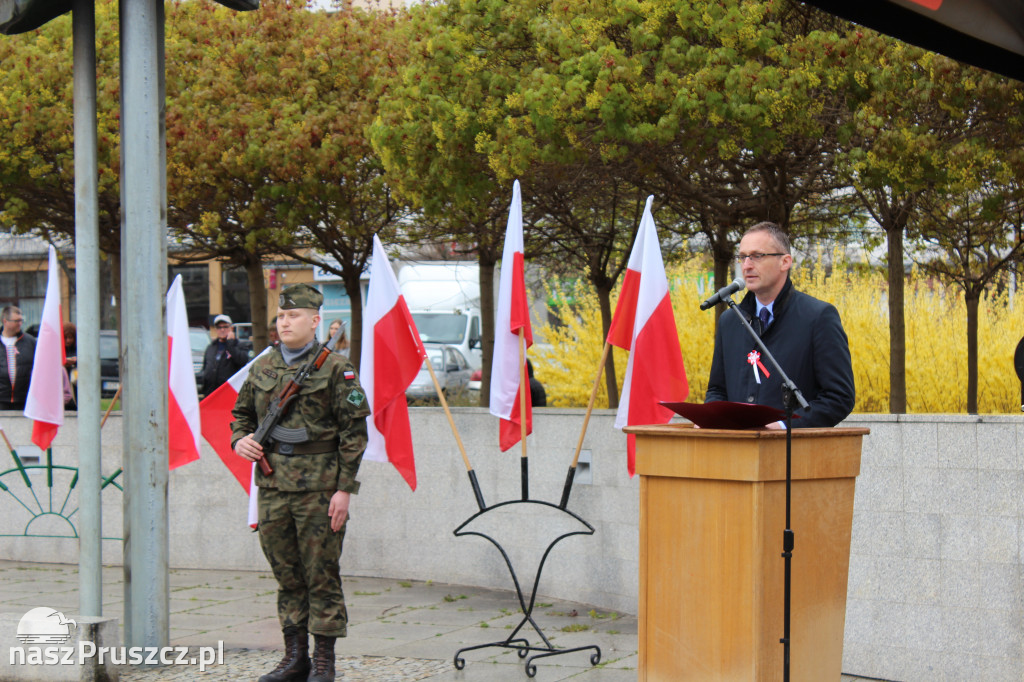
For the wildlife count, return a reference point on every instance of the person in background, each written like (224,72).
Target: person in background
(272,338)
(70,366)
(70,346)
(538,396)
(342,347)
(16,360)
(223,356)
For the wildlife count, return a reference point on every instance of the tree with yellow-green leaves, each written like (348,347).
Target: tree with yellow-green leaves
(464,59)
(925,127)
(266,118)
(723,110)
(744,109)
(36,131)
(267,152)
(967,242)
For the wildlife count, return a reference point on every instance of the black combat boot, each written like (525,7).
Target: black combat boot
(295,664)
(323,659)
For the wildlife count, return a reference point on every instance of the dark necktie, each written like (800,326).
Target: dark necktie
(765,316)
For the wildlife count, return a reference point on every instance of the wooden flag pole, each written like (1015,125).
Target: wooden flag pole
(20,465)
(567,488)
(462,449)
(110,407)
(524,386)
(10,447)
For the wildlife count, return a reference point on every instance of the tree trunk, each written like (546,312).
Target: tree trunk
(257,305)
(110,306)
(604,296)
(897,321)
(972,298)
(723,276)
(355,333)
(486,327)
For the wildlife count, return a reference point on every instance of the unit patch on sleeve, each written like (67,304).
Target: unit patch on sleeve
(356,397)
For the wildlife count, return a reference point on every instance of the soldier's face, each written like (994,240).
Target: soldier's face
(297,327)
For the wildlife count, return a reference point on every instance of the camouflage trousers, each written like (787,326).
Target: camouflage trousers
(295,534)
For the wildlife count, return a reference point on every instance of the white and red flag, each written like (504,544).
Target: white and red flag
(620,332)
(392,355)
(215,410)
(182,398)
(655,371)
(513,316)
(45,402)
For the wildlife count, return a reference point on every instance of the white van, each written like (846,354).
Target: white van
(444,299)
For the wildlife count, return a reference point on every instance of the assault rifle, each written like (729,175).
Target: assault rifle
(268,429)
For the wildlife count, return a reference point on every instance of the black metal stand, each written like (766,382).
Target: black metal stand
(788,537)
(790,394)
(516,640)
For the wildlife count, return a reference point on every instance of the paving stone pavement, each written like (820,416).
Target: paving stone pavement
(398,630)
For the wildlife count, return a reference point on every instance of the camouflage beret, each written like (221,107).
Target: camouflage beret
(300,296)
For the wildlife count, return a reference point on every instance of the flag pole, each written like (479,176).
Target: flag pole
(462,449)
(586,420)
(110,407)
(524,386)
(21,468)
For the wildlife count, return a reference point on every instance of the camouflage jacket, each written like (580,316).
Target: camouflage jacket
(332,405)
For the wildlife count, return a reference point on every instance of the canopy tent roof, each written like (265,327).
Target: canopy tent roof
(986,33)
(19,16)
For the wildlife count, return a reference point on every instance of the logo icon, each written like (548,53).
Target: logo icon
(45,626)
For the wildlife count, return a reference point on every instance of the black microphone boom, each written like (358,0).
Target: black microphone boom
(725,292)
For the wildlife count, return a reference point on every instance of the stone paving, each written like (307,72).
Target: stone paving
(398,630)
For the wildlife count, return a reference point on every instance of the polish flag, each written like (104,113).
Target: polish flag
(215,410)
(183,398)
(513,315)
(655,371)
(392,355)
(620,332)
(45,402)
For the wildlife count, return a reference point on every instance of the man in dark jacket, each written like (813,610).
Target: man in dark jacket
(804,334)
(18,350)
(223,356)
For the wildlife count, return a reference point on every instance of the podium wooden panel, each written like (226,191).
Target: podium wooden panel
(712,516)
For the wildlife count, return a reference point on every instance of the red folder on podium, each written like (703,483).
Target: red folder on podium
(722,414)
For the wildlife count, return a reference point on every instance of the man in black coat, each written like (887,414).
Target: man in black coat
(223,356)
(16,356)
(804,334)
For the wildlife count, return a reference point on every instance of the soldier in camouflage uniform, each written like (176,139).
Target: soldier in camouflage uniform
(303,506)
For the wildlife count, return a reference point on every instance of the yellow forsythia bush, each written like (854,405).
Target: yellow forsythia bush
(936,320)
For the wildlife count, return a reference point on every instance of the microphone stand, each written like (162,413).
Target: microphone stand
(790,393)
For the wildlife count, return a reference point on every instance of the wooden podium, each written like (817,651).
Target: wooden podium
(712,516)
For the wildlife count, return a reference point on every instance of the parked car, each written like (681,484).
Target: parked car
(452,372)
(110,365)
(243,332)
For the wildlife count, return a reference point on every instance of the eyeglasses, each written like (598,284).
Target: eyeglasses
(756,257)
(19,320)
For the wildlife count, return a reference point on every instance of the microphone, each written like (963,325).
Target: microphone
(724,293)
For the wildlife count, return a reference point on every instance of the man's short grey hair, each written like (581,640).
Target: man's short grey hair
(11,310)
(780,237)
